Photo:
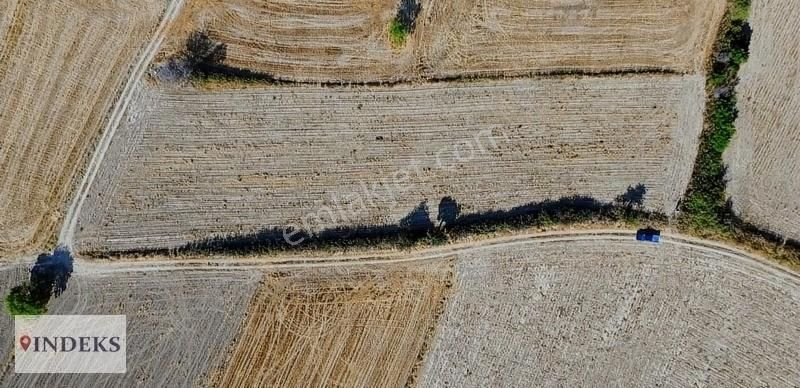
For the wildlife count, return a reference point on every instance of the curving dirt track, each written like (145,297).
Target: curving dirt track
(528,308)
(187,165)
(764,156)
(58,81)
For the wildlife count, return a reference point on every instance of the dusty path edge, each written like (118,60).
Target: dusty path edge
(428,254)
(65,237)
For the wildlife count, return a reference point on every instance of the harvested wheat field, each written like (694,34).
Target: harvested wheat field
(188,165)
(347,40)
(598,312)
(178,322)
(509,37)
(764,156)
(355,327)
(62,65)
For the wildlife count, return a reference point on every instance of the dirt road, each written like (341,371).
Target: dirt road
(68,228)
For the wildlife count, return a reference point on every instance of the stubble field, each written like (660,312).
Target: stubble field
(347,40)
(764,156)
(349,327)
(611,313)
(178,322)
(189,165)
(62,64)
(510,311)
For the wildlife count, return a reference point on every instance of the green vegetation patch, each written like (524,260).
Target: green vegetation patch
(706,209)
(398,33)
(402,25)
(26,300)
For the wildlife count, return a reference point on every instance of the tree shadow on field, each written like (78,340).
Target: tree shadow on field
(416,227)
(52,272)
(633,197)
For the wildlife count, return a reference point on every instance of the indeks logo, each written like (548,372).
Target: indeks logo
(70,344)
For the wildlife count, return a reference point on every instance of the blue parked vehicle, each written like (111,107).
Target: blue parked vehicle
(649,235)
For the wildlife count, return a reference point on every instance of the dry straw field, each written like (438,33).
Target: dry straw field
(764,156)
(178,322)
(616,313)
(345,327)
(346,40)
(188,164)
(62,65)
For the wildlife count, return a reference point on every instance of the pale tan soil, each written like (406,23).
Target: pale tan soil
(62,64)
(188,165)
(764,156)
(347,327)
(179,322)
(347,40)
(601,313)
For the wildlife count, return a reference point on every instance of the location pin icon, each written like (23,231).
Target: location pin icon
(25,341)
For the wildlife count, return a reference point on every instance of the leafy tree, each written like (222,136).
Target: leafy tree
(26,300)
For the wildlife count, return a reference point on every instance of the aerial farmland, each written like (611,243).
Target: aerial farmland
(546,138)
(764,156)
(415,193)
(55,95)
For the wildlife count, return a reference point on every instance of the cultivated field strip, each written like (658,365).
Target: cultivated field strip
(179,323)
(509,37)
(764,156)
(62,64)
(189,165)
(347,40)
(613,314)
(347,327)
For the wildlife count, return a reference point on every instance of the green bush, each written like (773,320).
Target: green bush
(398,33)
(705,206)
(25,300)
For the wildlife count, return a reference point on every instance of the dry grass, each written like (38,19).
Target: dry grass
(764,156)
(354,327)
(62,64)
(348,40)
(189,165)
(613,313)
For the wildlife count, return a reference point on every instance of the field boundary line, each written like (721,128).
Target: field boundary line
(67,232)
(611,235)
